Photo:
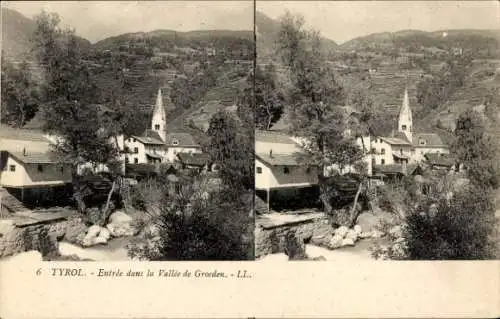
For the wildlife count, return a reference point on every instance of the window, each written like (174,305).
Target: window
(259,170)
(157,127)
(308,170)
(175,142)
(382,161)
(382,151)
(39,168)
(374,150)
(286,170)
(403,127)
(133,140)
(12,168)
(126,160)
(136,150)
(421,142)
(61,169)
(136,160)
(380,140)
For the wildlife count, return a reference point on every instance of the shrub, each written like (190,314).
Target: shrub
(461,229)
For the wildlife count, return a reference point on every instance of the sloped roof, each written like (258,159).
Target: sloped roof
(398,155)
(182,139)
(150,137)
(153,155)
(440,159)
(395,141)
(36,158)
(22,134)
(432,140)
(198,159)
(280,159)
(273,137)
(395,169)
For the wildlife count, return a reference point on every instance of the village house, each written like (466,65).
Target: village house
(29,170)
(279,172)
(155,145)
(404,146)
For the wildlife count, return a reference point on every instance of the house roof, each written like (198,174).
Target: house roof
(395,169)
(280,159)
(395,141)
(273,137)
(22,134)
(36,158)
(398,155)
(182,139)
(440,159)
(432,140)
(153,155)
(199,159)
(149,137)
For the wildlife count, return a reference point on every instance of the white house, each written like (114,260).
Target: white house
(155,145)
(404,146)
(278,167)
(28,168)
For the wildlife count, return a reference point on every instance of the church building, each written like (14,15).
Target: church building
(155,145)
(405,146)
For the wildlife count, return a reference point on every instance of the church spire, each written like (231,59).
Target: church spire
(405,122)
(159,120)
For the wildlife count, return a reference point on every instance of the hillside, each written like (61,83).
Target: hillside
(267,32)
(17,32)
(485,42)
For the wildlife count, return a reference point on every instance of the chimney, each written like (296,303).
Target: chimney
(271,153)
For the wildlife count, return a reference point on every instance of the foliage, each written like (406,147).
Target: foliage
(229,146)
(314,97)
(435,91)
(476,150)
(20,94)
(264,93)
(69,109)
(194,227)
(460,229)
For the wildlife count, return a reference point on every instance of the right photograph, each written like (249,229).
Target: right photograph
(377,130)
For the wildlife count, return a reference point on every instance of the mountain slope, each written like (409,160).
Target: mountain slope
(17,33)
(474,40)
(267,31)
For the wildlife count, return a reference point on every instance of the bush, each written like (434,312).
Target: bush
(460,229)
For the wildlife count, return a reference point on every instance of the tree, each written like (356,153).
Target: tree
(20,94)
(315,112)
(476,150)
(69,110)
(461,229)
(229,146)
(263,92)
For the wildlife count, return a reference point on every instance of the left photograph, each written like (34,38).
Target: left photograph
(127,130)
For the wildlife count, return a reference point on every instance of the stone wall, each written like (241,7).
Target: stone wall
(270,239)
(42,237)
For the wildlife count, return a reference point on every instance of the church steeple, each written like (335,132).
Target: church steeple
(159,120)
(405,122)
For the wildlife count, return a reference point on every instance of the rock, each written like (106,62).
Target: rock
(99,241)
(93,231)
(335,242)
(347,242)
(341,231)
(119,217)
(396,231)
(121,230)
(105,233)
(351,234)
(319,240)
(365,235)
(377,233)
(75,234)
(358,229)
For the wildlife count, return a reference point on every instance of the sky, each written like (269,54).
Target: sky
(96,20)
(345,20)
